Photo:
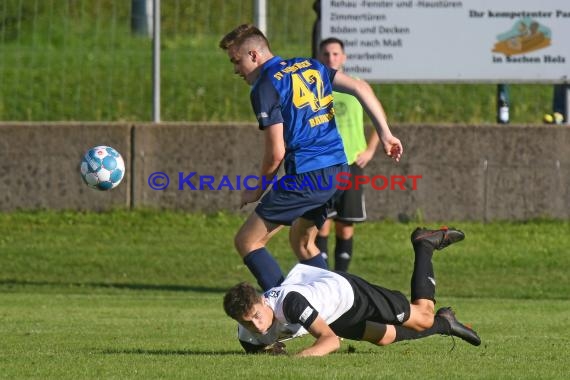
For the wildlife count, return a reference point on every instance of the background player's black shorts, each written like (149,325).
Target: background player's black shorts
(371,303)
(350,208)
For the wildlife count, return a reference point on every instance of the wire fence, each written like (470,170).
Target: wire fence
(63,60)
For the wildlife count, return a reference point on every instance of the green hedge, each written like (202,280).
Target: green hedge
(78,60)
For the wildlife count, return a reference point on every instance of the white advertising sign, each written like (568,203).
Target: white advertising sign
(454,41)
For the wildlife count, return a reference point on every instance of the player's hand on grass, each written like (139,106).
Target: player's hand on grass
(277,348)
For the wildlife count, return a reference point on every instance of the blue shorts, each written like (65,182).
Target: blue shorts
(306,195)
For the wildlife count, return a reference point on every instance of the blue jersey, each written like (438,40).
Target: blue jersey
(298,93)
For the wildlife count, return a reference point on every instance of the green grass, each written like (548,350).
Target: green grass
(77,60)
(138,295)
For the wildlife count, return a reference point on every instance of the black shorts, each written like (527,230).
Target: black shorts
(350,208)
(371,303)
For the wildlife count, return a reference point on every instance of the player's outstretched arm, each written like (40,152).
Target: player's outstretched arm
(365,95)
(326,340)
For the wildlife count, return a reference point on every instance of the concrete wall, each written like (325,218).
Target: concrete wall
(39,166)
(479,173)
(207,149)
(468,172)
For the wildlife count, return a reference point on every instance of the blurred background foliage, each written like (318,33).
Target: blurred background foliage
(77,60)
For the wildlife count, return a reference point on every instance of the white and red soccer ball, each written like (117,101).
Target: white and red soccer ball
(102,168)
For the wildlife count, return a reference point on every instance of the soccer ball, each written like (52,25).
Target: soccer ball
(102,168)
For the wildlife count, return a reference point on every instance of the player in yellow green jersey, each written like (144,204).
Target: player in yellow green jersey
(350,123)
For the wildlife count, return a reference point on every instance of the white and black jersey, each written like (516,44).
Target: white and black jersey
(343,300)
(310,291)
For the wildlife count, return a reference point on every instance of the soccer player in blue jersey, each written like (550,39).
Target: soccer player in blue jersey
(292,100)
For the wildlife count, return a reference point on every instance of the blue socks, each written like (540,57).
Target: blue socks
(264,267)
(266,270)
(316,261)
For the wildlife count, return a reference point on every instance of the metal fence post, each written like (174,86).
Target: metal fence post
(141,17)
(561,102)
(156,63)
(260,15)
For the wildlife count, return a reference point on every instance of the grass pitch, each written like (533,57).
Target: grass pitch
(138,295)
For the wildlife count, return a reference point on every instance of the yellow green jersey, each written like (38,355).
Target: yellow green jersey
(349,120)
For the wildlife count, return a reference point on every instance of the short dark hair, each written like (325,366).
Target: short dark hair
(331,40)
(241,34)
(240,299)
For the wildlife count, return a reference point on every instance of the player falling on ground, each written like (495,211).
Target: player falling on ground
(330,305)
